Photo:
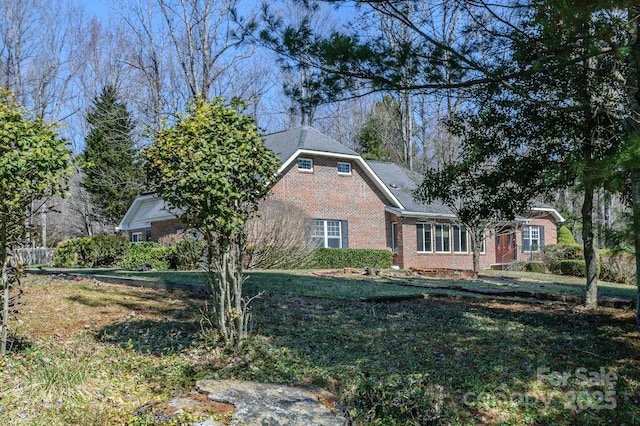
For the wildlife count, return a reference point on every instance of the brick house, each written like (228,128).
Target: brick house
(365,204)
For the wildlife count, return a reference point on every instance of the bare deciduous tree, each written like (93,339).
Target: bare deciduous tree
(279,237)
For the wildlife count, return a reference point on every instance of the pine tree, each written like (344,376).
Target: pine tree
(113,175)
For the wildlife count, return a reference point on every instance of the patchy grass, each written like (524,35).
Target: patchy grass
(390,283)
(94,353)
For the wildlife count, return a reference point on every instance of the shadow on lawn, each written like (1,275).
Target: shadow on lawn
(367,352)
(151,336)
(468,348)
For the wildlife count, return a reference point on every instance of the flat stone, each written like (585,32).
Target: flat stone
(269,404)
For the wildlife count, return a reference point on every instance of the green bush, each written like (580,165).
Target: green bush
(565,236)
(398,399)
(535,267)
(96,251)
(108,249)
(187,254)
(576,268)
(146,254)
(352,258)
(617,266)
(556,253)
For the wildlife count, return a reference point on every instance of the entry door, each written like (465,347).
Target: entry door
(505,248)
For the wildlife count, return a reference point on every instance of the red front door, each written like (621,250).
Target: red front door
(506,248)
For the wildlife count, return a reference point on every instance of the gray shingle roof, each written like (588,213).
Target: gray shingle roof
(402,182)
(287,142)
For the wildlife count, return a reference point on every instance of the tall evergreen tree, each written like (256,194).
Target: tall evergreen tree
(113,175)
(380,138)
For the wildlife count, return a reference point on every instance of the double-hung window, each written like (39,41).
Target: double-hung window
(329,233)
(424,232)
(394,231)
(136,237)
(442,237)
(460,239)
(532,238)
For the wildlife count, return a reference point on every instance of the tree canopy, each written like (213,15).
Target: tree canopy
(33,164)
(113,176)
(213,168)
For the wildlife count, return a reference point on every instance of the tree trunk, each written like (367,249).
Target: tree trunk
(5,292)
(590,257)
(633,130)
(476,245)
(224,257)
(635,199)
(5,308)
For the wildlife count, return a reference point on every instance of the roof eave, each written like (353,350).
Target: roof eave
(553,212)
(409,213)
(368,170)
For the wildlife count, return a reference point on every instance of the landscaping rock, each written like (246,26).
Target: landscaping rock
(269,404)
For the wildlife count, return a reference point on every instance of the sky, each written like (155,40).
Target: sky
(99,8)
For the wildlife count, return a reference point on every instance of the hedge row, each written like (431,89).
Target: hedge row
(97,251)
(106,251)
(568,259)
(352,258)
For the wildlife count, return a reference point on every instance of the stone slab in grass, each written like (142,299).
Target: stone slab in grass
(270,404)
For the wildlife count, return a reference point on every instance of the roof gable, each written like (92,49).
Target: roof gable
(286,143)
(144,209)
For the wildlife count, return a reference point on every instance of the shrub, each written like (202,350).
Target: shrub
(618,267)
(187,254)
(96,251)
(107,250)
(352,258)
(576,268)
(72,253)
(397,399)
(141,254)
(565,236)
(556,253)
(535,267)
(278,237)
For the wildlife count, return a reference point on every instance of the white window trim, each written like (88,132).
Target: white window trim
(453,238)
(136,234)
(325,236)
(531,239)
(303,170)
(345,164)
(430,225)
(435,245)
(394,231)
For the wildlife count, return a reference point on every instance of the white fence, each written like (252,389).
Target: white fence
(35,256)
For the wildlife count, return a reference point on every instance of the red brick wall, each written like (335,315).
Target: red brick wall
(165,227)
(550,237)
(143,231)
(407,254)
(324,194)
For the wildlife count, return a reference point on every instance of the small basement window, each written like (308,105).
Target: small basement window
(344,168)
(305,164)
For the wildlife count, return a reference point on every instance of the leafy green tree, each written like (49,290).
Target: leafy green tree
(33,163)
(114,177)
(380,138)
(213,167)
(480,198)
(629,158)
(565,236)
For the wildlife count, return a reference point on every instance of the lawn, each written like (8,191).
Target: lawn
(94,353)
